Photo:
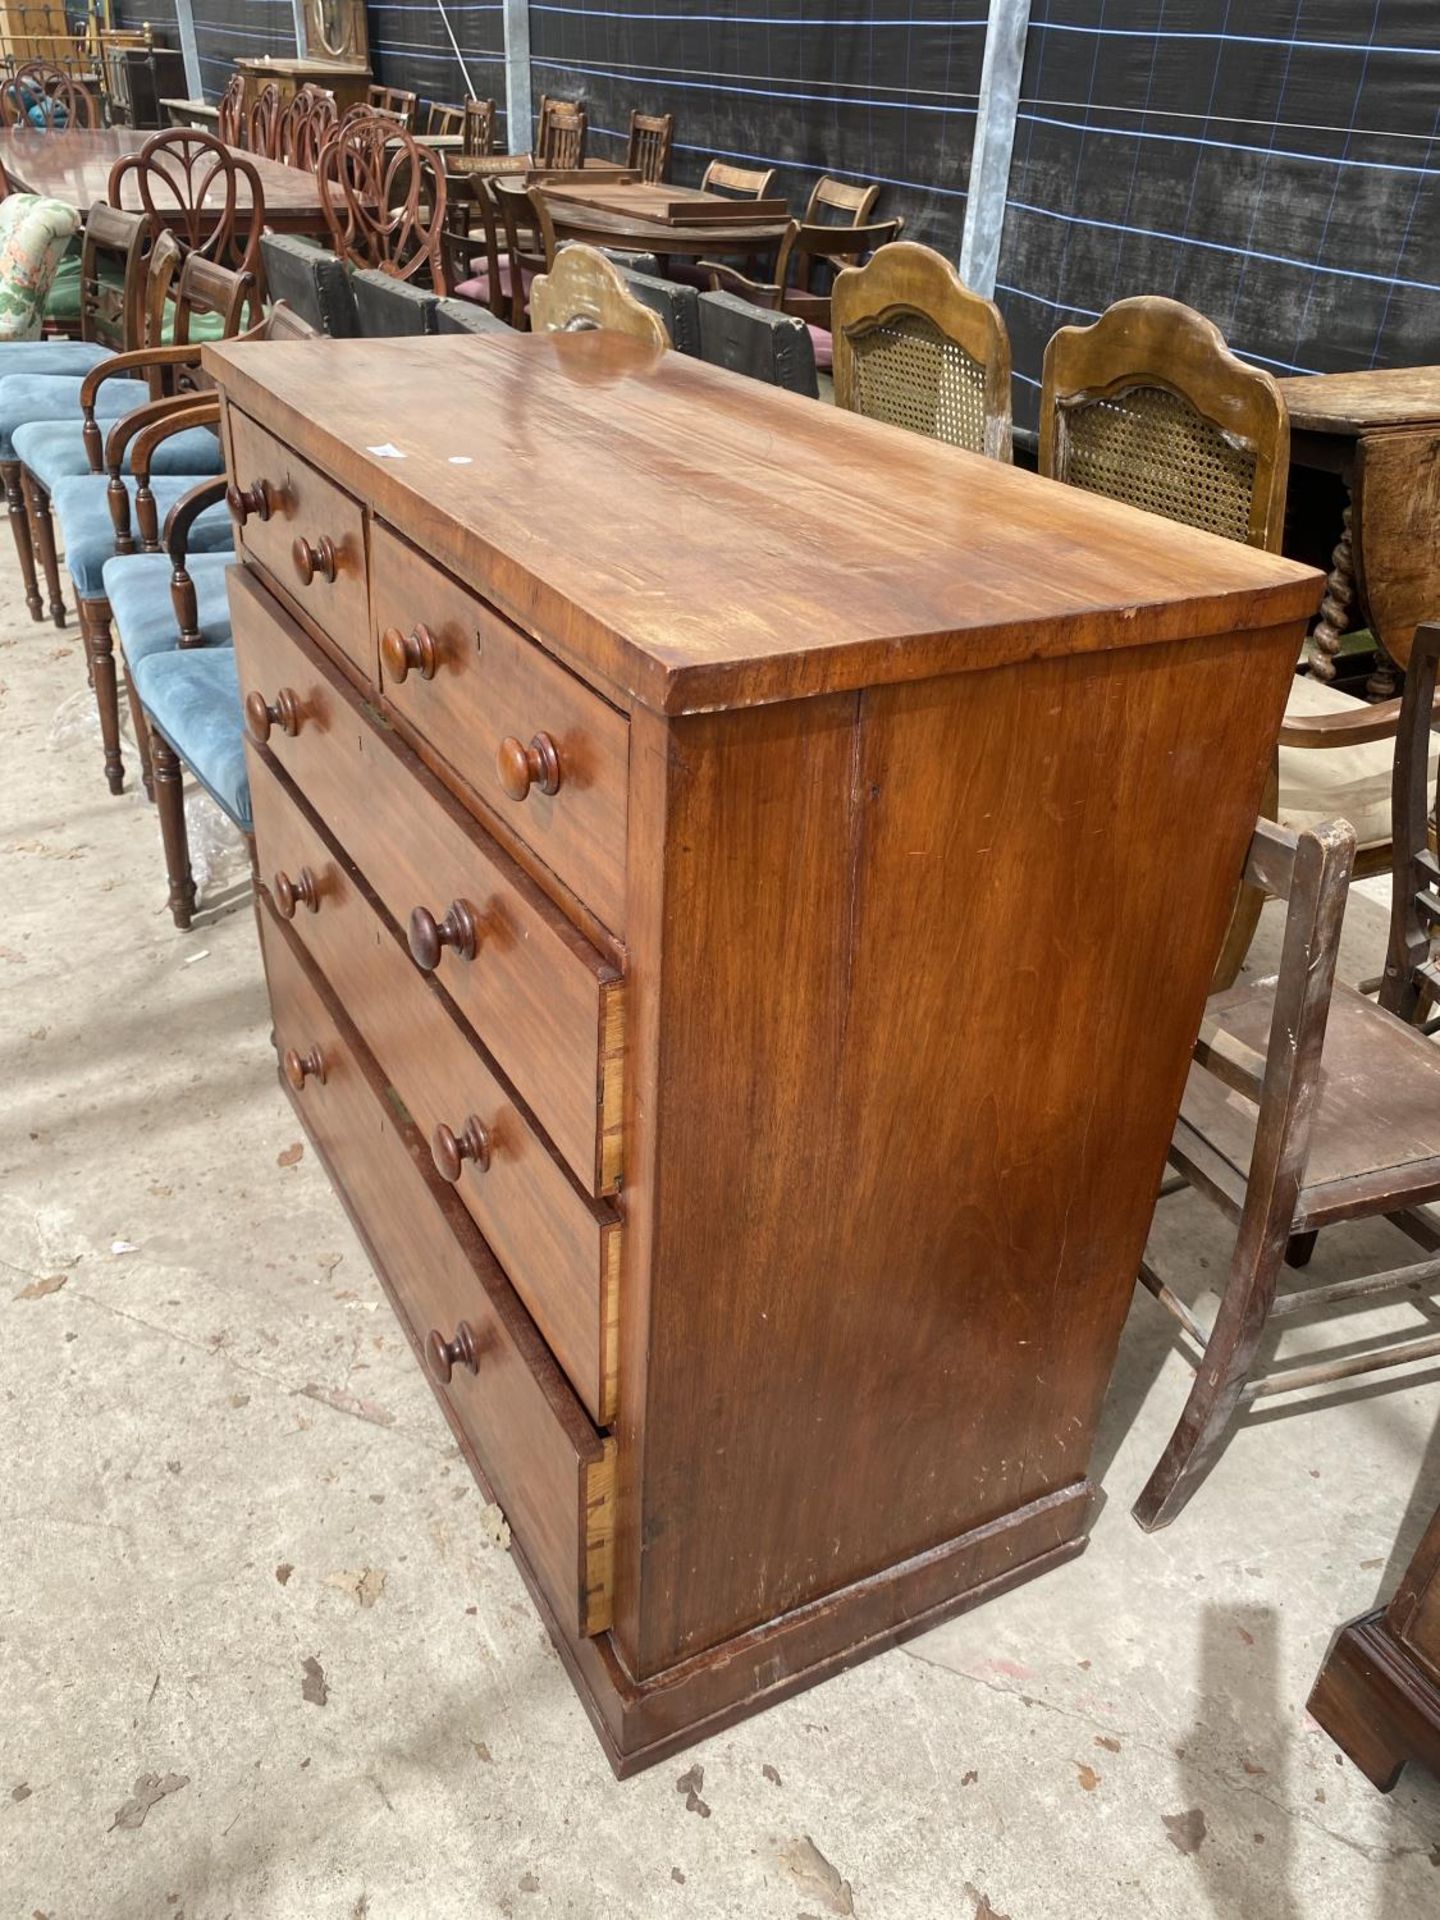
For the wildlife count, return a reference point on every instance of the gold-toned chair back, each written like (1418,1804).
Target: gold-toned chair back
(584,291)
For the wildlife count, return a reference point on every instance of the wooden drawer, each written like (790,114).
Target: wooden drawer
(482,695)
(549,1469)
(303,509)
(560,1248)
(545,1004)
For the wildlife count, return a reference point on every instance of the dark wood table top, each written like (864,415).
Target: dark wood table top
(75,167)
(700,539)
(1349,404)
(627,215)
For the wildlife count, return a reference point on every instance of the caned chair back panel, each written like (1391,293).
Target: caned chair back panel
(42,95)
(841,203)
(113,315)
(264,124)
(396,101)
(560,141)
(915,347)
(478,131)
(651,137)
(444,120)
(384,201)
(738,183)
(1149,406)
(205,193)
(1411,986)
(230,124)
(583,291)
(308,122)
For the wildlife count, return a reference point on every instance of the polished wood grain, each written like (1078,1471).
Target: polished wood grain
(542,1000)
(946,566)
(467,681)
(1353,403)
(284,510)
(547,1464)
(559,1248)
(1396,533)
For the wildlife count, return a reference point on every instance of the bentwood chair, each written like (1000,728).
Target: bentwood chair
(230,123)
(478,129)
(584,291)
(1306,1105)
(384,200)
(915,347)
(560,139)
(264,123)
(651,137)
(1149,406)
(46,97)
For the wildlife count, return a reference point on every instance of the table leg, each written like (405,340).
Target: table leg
(1334,621)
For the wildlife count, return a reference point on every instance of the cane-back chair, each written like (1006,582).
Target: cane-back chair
(583,291)
(915,347)
(651,137)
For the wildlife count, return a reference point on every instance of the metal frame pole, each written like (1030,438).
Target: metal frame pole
(185,21)
(517,76)
(1005,38)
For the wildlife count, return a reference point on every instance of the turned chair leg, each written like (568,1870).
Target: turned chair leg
(20,527)
(170,805)
(95,620)
(1218,1388)
(42,531)
(142,736)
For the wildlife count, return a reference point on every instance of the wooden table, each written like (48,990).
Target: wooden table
(75,167)
(192,113)
(723,761)
(1380,433)
(628,216)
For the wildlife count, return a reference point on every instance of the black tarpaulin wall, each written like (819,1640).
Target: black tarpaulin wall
(410,48)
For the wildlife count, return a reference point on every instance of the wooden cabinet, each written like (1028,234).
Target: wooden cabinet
(348,81)
(758,873)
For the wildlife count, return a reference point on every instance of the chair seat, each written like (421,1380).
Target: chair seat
(137,585)
(55,450)
(82,509)
(1347,783)
(25,397)
(478,288)
(193,699)
(51,357)
(1378,1108)
(823,342)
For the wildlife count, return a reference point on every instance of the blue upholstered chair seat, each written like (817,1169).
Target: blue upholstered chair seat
(73,357)
(57,397)
(55,450)
(88,533)
(137,585)
(193,698)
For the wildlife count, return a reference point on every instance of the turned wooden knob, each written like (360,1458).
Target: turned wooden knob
(448,1149)
(404,653)
(521,768)
(300,1067)
(303,890)
(459,931)
(314,556)
(262,714)
(445,1355)
(254,502)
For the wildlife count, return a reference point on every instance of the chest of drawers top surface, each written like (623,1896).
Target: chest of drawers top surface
(690,540)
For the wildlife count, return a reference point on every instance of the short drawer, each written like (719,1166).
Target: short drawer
(549,1469)
(544,1003)
(306,533)
(560,1248)
(536,744)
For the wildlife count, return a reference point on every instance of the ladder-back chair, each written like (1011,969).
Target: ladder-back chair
(583,291)
(651,137)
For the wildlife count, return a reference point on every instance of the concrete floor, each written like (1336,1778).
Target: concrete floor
(221,1465)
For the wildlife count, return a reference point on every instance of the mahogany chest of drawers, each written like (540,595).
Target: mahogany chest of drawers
(739,885)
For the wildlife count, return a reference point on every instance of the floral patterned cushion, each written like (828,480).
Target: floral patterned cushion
(34,233)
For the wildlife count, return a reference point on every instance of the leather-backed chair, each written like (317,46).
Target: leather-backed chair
(774,347)
(463,316)
(678,306)
(311,282)
(386,308)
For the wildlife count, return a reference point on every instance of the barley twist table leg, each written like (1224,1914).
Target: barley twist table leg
(1334,621)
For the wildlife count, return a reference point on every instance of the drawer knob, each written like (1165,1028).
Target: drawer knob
(314,556)
(300,1067)
(521,767)
(459,931)
(303,890)
(261,714)
(255,502)
(445,1355)
(405,653)
(448,1149)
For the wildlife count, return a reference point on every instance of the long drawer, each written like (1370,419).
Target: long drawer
(545,1004)
(307,534)
(536,744)
(550,1471)
(560,1248)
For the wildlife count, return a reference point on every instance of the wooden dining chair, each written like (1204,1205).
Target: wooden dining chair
(842,203)
(265,122)
(793,290)
(738,183)
(306,125)
(395,101)
(441,120)
(384,200)
(192,185)
(560,140)
(478,128)
(915,347)
(528,242)
(1306,1105)
(651,137)
(583,291)
(41,95)
(230,113)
